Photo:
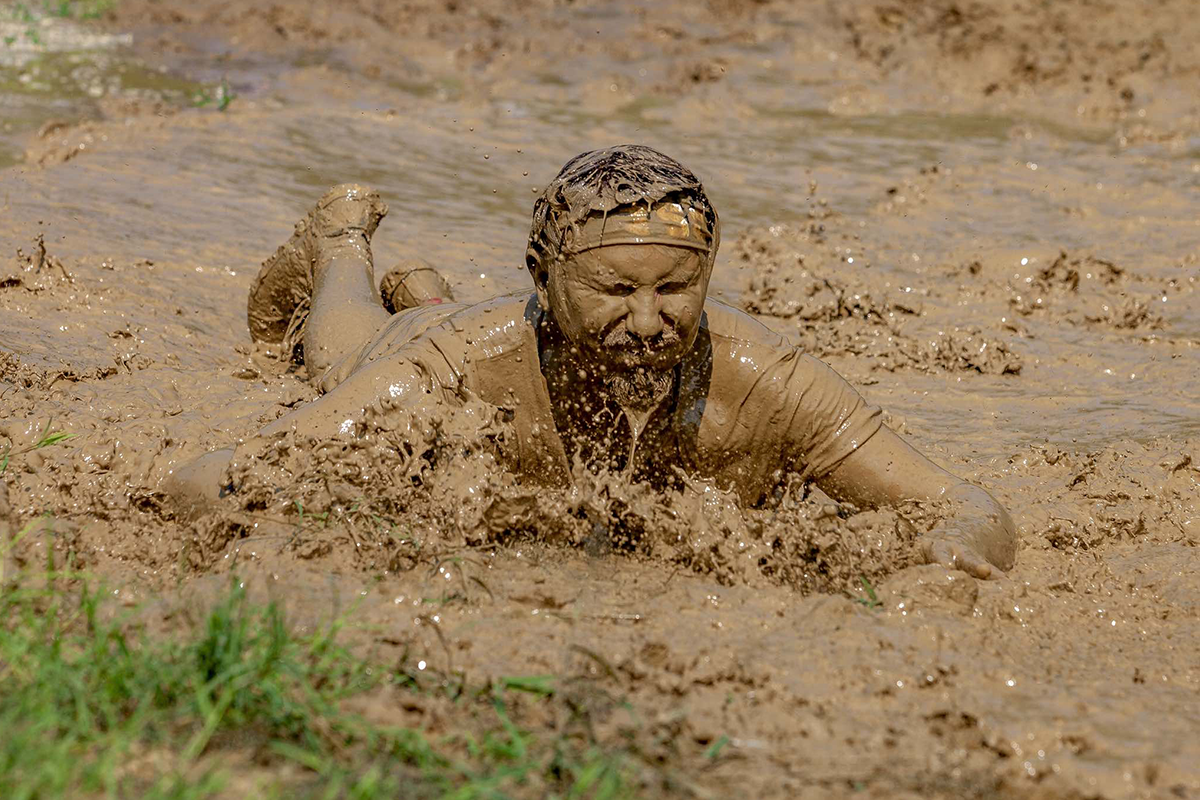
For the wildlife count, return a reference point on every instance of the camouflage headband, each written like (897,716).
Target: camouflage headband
(662,223)
(663,201)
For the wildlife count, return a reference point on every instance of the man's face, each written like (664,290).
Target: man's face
(632,307)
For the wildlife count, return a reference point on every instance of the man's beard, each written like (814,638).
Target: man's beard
(642,387)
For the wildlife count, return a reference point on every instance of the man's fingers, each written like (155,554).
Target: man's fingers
(976,568)
(955,555)
(969,561)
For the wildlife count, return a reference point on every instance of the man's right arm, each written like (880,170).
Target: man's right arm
(387,383)
(840,442)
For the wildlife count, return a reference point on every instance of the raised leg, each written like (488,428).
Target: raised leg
(316,295)
(346,311)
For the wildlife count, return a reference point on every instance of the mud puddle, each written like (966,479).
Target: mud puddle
(1015,284)
(59,69)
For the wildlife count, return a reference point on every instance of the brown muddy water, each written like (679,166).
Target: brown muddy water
(986,216)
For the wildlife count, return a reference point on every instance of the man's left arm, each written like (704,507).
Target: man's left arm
(979,537)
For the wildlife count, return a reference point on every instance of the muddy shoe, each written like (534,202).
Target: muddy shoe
(280,295)
(413,283)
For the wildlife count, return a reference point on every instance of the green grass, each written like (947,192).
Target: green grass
(870,601)
(78,9)
(23,13)
(243,706)
(64,9)
(47,439)
(222,95)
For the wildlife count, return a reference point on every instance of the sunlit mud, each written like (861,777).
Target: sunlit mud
(983,215)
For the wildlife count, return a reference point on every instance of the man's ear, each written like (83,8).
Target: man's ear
(541,277)
(541,284)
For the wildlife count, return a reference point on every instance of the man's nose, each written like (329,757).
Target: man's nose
(644,319)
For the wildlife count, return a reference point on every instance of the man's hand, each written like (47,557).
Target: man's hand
(978,537)
(954,550)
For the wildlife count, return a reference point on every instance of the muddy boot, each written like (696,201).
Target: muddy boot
(413,283)
(281,294)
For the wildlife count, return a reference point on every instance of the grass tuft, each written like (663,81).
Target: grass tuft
(223,95)
(870,601)
(47,440)
(91,706)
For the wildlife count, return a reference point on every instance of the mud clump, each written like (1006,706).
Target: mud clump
(37,271)
(952,351)
(1083,290)
(839,306)
(1090,499)
(797,541)
(15,373)
(431,481)
(403,486)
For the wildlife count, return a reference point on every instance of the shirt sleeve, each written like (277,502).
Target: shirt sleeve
(829,419)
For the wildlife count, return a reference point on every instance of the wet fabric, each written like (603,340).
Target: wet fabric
(595,183)
(659,223)
(748,408)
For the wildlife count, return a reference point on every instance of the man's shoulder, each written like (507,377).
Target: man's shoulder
(737,356)
(733,330)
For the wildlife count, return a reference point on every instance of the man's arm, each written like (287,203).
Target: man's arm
(387,383)
(978,538)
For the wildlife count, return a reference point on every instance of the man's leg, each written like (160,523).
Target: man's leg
(316,295)
(411,283)
(318,289)
(346,311)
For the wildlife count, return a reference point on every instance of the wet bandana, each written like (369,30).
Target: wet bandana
(621,195)
(661,223)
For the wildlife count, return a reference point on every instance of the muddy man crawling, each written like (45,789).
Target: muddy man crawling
(616,357)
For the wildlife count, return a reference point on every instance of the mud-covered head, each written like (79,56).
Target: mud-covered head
(621,250)
(594,184)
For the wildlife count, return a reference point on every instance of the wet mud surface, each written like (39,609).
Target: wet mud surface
(986,216)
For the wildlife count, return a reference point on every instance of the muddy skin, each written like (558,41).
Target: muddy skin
(1015,184)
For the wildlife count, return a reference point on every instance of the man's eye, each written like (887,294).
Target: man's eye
(621,290)
(672,288)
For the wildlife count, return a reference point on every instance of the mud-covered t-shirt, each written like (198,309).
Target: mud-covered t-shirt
(748,408)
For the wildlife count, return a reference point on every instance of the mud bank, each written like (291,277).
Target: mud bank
(960,207)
